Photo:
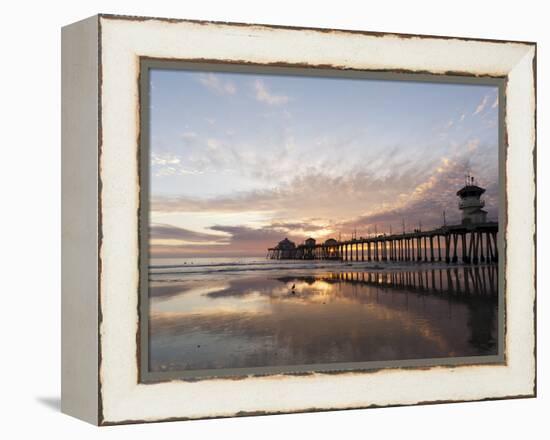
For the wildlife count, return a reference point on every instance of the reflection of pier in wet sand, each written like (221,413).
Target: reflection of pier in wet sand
(463,280)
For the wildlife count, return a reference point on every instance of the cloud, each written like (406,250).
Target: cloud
(361,202)
(481,105)
(305,226)
(333,186)
(164,159)
(312,194)
(164,164)
(217,85)
(168,164)
(240,240)
(427,201)
(162,232)
(283,155)
(248,234)
(265,96)
(172,241)
(323,201)
(495,104)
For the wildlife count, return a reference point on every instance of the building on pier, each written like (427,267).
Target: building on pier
(308,249)
(331,242)
(285,250)
(330,250)
(471,204)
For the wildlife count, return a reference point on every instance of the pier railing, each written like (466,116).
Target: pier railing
(472,243)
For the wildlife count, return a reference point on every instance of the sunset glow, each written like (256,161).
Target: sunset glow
(241,161)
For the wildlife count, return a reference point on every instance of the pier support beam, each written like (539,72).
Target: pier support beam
(475,256)
(455,241)
(447,248)
(481,255)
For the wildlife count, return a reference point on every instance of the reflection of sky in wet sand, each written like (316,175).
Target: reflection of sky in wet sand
(252,320)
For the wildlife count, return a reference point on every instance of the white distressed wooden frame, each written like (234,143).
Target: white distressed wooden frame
(100,219)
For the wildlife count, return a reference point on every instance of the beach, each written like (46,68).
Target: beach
(216,313)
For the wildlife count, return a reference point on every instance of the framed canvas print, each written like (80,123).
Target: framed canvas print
(263,220)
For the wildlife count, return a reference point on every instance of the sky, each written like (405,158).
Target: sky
(240,161)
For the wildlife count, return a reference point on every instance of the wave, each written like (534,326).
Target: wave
(186,265)
(239,267)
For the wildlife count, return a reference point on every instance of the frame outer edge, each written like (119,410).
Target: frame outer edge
(80,222)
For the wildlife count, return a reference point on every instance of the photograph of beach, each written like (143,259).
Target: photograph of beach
(302,220)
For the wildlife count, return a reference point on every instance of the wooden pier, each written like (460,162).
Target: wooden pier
(468,243)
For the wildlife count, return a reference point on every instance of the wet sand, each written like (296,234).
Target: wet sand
(300,317)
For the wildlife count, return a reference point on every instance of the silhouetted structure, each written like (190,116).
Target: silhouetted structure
(470,203)
(473,241)
(285,250)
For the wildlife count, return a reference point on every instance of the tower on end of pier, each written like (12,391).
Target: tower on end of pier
(470,202)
